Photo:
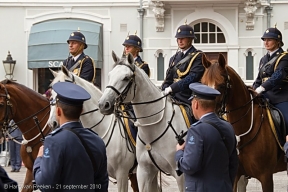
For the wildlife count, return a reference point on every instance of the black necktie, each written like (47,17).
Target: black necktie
(268,56)
(179,56)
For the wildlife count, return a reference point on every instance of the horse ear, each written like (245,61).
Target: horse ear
(205,61)
(53,72)
(130,59)
(115,57)
(65,70)
(221,60)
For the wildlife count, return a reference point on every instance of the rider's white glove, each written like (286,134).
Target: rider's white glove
(259,89)
(167,90)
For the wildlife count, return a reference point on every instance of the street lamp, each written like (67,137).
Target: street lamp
(9,65)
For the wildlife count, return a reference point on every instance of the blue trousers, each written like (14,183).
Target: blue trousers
(15,158)
(283,107)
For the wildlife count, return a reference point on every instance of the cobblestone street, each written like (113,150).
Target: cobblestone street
(280,182)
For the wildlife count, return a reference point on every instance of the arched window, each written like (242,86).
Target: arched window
(208,33)
(249,66)
(160,67)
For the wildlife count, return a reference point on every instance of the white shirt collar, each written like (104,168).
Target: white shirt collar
(185,51)
(271,53)
(205,115)
(76,57)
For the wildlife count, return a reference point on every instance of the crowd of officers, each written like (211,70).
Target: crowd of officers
(75,158)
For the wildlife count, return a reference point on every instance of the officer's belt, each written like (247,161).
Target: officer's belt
(175,67)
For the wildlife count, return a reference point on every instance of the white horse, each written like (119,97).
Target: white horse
(120,151)
(159,120)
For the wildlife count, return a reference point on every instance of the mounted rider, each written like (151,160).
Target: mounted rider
(185,66)
(272,79)
(80,64)
(133,45)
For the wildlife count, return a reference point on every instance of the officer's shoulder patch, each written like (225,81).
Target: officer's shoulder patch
(196,123)
(191,140)
(46,153)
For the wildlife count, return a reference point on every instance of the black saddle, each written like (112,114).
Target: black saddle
(279,122)
(187,109)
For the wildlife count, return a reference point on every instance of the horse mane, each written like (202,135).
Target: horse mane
(213,76)
(24,89)
(61,77)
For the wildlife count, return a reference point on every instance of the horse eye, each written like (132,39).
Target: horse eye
(126,79)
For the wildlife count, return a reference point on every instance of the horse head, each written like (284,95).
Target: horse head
(121,79)
(60,76)
(216,76)
(64,75)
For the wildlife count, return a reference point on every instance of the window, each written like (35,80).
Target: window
(249,66)
(160,67)
(208,33)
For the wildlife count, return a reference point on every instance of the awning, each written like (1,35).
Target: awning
(48,48)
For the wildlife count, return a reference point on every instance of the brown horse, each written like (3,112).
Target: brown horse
(21,104)
(259,154)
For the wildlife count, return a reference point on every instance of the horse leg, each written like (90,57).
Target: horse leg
(242,184)
(266,182)
(146,178)
(122,182)
(134,182)
(27,185)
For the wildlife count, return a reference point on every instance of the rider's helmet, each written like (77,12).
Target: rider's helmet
(273,33)
(133,40)
(185,31)
(78,36)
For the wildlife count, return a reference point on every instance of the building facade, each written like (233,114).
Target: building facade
(35,33)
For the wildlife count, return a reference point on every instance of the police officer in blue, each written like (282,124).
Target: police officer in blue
(185,67)
(133,45)
(73,157)
(14,148)
(80,64)
(272,79)
(208,158)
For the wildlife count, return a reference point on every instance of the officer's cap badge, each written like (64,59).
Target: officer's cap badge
(83,39)
(179,30)
(138,42)
(127,37)
(267,31)
(190,32)
(72,34)
(279,36)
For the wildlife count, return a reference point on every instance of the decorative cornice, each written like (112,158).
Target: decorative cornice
(158,9)
(250,9)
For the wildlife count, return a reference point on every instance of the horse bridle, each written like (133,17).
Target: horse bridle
(226,86)
(9,112)
(8,109)
(122,95)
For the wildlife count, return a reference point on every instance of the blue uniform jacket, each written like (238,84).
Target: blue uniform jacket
(143,65)
(15,131)
(276,85)
(180,85)
(205,161)
(87,69)
(65,164)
